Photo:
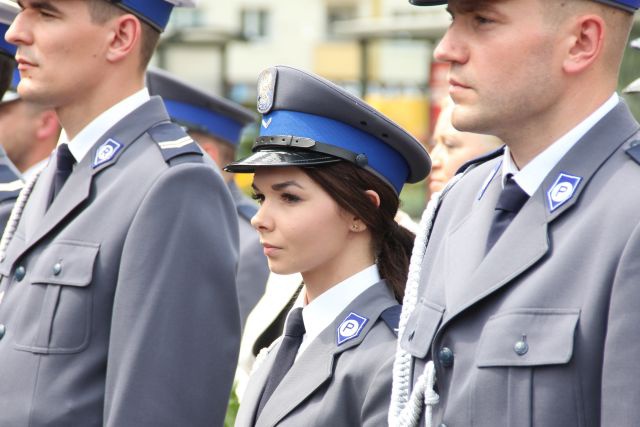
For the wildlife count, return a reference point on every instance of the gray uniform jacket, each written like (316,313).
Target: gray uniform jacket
(119,303)
(329,384)
(10,185)
(253,270)
(543,330)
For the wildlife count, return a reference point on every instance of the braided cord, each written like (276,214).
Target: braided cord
(405,409)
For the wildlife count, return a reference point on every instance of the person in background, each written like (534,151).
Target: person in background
(328,171)
(451,148)
(118,298)
(30,131)
(10,179)
(216,125)
(522,307)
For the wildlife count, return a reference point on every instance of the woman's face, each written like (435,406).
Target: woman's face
(301,227)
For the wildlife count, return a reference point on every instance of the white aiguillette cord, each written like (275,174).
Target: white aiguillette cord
(405,409)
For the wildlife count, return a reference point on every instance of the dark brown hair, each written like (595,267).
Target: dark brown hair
(7,66)
(347,184)
(102,10)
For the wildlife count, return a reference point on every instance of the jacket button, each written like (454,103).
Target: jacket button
(20,273)
(3,329)
(521,348)
(446,357)
(57,269)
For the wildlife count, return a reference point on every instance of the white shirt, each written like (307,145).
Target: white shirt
(324,309)
(532,175)
(89,135)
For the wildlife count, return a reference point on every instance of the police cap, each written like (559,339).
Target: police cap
(8,11)
(198,110)
(308,120)
(628,5)
(154,12)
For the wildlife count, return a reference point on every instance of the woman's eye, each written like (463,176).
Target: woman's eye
(290,198)
(258,197)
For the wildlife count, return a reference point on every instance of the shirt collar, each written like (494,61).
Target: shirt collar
(89,135)
(323,310)
(531,176)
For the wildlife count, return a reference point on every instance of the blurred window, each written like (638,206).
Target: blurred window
(337,14)
(255,23)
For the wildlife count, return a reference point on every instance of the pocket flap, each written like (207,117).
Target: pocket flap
(421,327)
(65,263)
(527,338)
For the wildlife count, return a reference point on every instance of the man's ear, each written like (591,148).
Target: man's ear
(586,43)
(124,38)
(48,125)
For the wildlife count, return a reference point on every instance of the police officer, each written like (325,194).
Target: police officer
(216,124)
(10,180)
(328,171)
(118,297)
(523,310)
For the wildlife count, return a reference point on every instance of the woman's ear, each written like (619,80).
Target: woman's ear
(125,37)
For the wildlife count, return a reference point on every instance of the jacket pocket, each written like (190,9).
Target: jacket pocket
(56,318)
(521,355)
(421,328)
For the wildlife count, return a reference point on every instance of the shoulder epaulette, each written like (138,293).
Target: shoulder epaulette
(10,183)
(634,151)
(482,159)
(174,141)
(247,210)
(391,316)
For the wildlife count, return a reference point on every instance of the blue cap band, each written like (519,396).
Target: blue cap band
(630,5)
(214,124)
(381,157)
(156,13)
(5,46)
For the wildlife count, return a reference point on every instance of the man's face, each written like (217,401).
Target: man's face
(505,70)
(60,50)
(17,129)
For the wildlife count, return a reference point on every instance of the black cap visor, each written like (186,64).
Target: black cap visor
(280,158)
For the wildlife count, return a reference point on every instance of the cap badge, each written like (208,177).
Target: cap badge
(351,327)
(266,89)
(266,123)
(106,152)
(562,190)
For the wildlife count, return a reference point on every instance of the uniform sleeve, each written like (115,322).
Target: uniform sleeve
(175,330)
(620,387)
(376,404)
(253,272)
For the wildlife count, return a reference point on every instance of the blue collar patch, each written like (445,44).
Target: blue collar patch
(351,327)
(562,190)
(106,152)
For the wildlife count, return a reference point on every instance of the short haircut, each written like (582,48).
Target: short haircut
(102,10)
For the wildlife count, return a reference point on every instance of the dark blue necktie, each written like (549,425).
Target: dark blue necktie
(286,355)
(511,200)
(64,167)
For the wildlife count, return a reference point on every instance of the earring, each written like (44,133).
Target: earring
(355,227)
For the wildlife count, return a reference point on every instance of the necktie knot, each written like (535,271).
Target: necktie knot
(512,197)
(295,324)
(64,167)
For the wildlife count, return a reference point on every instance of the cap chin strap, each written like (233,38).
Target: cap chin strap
(302,143)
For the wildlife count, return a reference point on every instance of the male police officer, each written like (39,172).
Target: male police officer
(10,181)
(216,124)
(525,304)
(119,305)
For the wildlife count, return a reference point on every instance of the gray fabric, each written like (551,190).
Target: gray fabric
(140,326)
(566,280)
(253,270)
(332,385)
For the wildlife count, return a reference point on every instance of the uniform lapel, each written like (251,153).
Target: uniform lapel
(76,190)
(526,240)
(316,365)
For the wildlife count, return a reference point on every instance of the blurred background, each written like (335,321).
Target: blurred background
(381,50)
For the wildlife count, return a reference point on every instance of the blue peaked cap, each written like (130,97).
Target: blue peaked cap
(154,12)
(8,11)
(309,121)
(628,5)
(6,47)
(198,110)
